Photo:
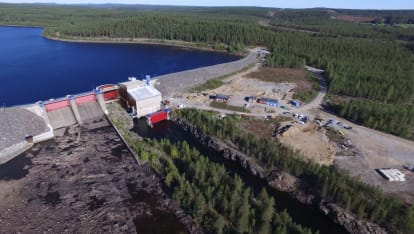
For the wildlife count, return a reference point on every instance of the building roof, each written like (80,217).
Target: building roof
(268,100)
(144,92)
(139,90)
(222,96)
(132,84)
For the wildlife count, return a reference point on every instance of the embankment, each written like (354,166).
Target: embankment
(179,81)
(281,181)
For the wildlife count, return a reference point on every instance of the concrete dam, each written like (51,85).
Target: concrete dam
(23,126)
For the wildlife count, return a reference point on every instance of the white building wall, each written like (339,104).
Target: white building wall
(148,106)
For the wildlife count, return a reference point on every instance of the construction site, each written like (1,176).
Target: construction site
(318,135)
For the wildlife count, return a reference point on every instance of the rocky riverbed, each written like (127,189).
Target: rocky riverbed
(85,181)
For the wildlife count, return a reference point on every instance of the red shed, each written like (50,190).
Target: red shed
(109,91)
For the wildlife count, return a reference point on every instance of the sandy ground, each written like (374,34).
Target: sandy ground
(310,140)
(377,150)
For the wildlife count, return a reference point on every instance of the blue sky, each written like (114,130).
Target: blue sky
(351,4)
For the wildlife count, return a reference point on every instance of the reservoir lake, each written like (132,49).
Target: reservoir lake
(35,68)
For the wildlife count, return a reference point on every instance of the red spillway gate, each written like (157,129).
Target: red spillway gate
(85,98)
(157,117)
(56,104)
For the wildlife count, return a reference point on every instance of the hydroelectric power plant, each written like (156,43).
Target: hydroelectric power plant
(29,124)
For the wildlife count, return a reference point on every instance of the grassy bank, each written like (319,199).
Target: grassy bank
(217,82)
(307,95)
(224,106)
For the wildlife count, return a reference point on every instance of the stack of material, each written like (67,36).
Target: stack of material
(392,174)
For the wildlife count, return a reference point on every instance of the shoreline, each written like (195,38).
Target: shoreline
(21,26)
(143,41)
(136,41)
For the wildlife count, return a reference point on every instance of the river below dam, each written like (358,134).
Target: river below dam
(301,214)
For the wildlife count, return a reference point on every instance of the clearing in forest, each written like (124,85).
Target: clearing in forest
(310,140)
(306,85)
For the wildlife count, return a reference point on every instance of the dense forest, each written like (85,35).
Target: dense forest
(336,23)
(218,201)
(334,184)
(370,61)
(221,203)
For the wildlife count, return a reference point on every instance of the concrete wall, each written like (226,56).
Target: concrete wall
(61,118)
(148,106)
(90,111)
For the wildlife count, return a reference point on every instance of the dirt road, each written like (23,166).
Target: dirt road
(323,88)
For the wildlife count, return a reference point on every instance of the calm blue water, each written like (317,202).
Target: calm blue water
(33,68)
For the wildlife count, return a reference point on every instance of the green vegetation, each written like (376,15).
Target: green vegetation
(333,184)
(345,23)
(217,82)
(210,84)
(224,106)
(221,203)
